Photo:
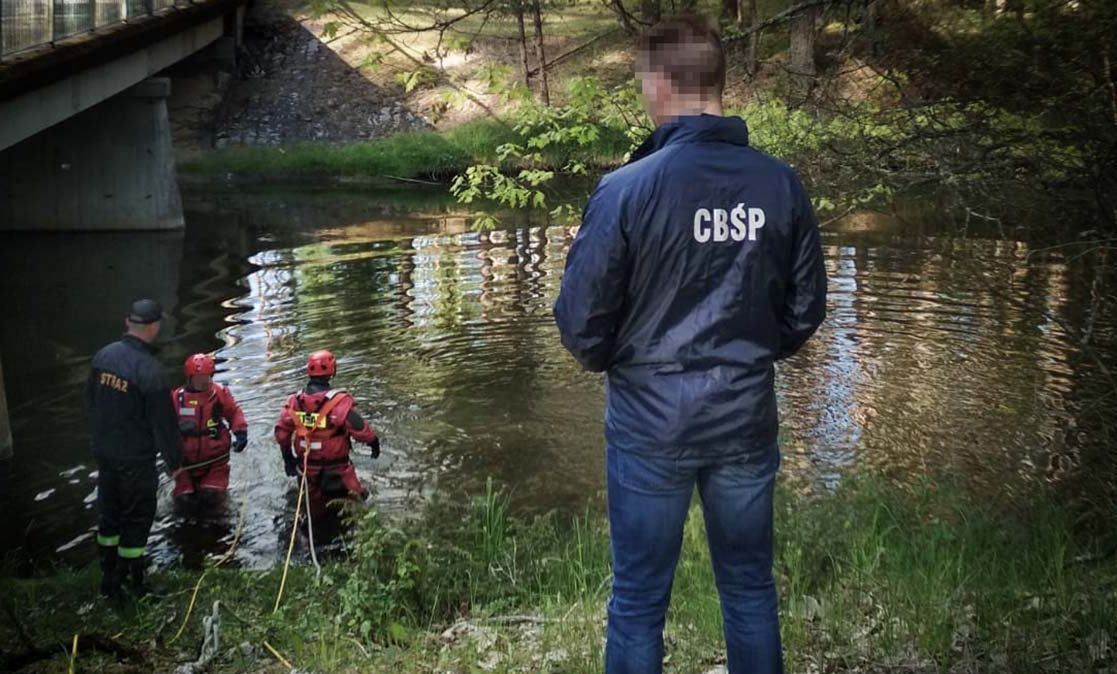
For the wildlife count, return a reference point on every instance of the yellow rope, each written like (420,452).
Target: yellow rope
(73,654)
(294,531)
(286,663)
(203,464)
(224,558)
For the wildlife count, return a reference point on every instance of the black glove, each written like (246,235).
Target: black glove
(241,441)
(374,445)
(290,465)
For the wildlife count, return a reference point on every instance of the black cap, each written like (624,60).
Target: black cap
(145,311)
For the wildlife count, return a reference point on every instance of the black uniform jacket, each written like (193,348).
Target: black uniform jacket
(130,405)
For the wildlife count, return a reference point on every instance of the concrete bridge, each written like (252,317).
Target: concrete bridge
(85,140)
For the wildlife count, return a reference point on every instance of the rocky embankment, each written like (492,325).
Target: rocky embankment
(289,87)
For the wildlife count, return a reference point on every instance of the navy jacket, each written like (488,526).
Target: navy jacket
(130,406)
(696,267)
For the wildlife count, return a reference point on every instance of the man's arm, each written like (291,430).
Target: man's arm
(234,416)
(805,300)
(588,310)
(284,430)
(359,429)
(232,411)
(164,424)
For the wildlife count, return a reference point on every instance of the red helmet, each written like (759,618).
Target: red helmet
(321,364)
(199,363)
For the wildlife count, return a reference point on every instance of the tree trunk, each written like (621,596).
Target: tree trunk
(650,11)
(729,10)
(869,22)
(688,6)
(540,55)
(523,43)
(1107,75)
(754,38)
(800,62)
(623,16)
(1001,7)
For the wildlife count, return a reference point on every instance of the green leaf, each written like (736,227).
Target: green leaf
(398,632)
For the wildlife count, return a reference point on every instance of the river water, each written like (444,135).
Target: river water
(979,354)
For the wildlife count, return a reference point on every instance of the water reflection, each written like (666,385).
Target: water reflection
(941,353)
(64,295)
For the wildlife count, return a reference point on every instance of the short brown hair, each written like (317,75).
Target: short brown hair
(687,49)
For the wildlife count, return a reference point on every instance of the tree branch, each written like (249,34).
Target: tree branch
(782,16)
(348,11)
(562,57)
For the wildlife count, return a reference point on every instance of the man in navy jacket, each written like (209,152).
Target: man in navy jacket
(133,419)
(696,268)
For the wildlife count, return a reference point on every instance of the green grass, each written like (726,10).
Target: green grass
(871,578)
(418,155)
(422,154)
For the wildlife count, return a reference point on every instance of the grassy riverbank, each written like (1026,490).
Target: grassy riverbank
(872,578)
(894,106)
(420,154)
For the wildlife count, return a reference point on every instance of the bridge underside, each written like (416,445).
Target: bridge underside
(85,142)
(109,167)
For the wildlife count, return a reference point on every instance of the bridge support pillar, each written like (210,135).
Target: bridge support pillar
(6,450)
(110,167)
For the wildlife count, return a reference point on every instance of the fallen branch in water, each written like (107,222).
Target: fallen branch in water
(837,217)
(413,180)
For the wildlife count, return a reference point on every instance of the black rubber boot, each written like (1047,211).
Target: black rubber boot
(110,571)
(136,568)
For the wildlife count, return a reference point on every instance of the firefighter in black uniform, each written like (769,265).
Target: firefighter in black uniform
(132,417)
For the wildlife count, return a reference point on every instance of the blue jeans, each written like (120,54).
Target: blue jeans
(648,502)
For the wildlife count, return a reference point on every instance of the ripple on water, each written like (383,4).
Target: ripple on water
(939,353)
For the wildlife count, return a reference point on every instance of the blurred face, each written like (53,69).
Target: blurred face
(199,382)
(664,101)
(657,92)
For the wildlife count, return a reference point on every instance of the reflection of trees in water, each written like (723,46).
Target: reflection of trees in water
(979,357)
(273,288)
(1081,456)
(941,355)
(442,336)
(951,357)
(493,372)
(404,287)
